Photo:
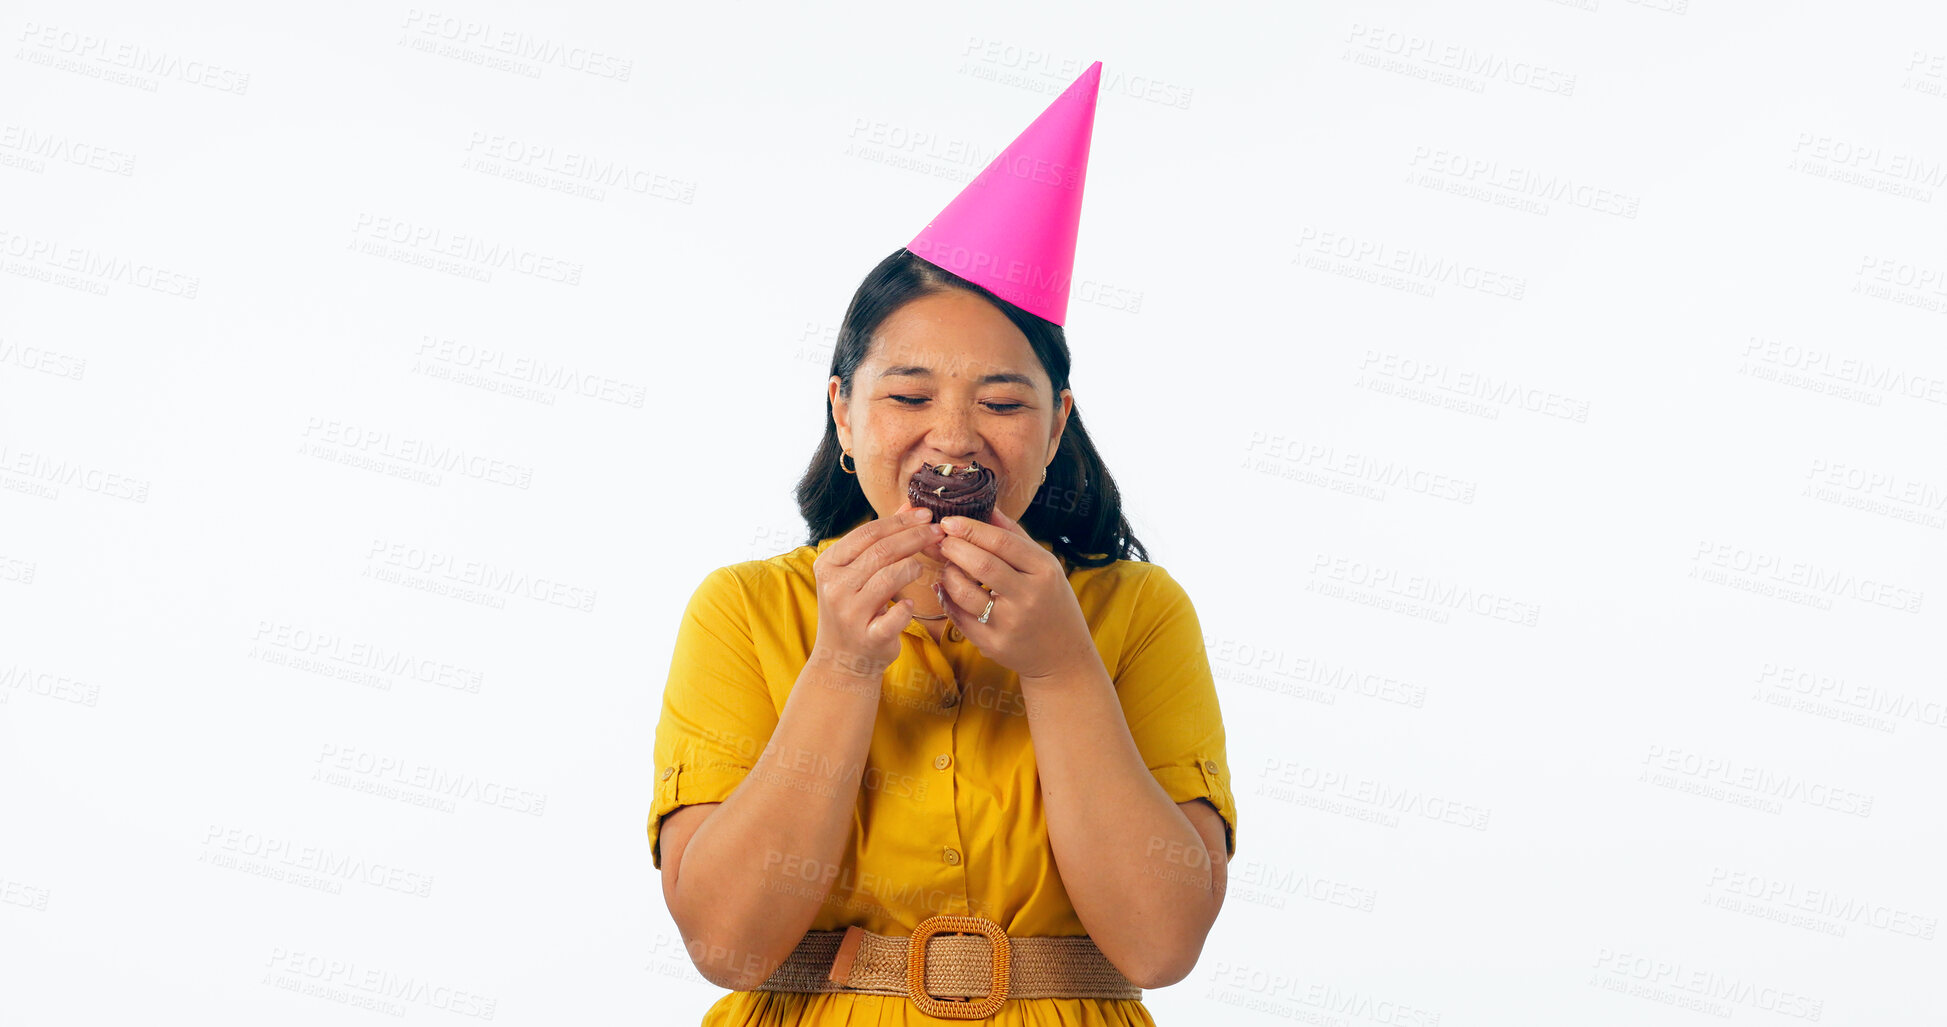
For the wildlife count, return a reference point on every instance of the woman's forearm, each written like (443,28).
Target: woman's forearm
(756,871)
(1135,868)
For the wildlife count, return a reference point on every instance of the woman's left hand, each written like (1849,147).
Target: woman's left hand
(1037,629)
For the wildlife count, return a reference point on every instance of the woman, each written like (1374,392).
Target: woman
(826,760)
(974,769)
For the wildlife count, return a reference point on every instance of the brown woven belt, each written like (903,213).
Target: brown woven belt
(969,967)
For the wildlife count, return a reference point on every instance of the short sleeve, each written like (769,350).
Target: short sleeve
(1169,698)
(717,711)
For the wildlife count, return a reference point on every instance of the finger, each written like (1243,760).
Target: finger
(997,541)
(891,621)
(979,563)
(1012,525)
(888,551)
(955,613)
(963,588)
(932,547)
(845,550)
(889,580)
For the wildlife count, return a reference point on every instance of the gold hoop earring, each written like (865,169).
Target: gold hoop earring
(854,469)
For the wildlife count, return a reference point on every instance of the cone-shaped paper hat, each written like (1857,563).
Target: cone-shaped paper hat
(1012,229)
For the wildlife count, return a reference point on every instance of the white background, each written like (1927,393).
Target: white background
(1543,404)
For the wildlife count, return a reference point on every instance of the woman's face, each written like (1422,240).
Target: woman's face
(949,380)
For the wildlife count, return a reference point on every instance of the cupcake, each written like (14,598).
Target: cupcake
(951,491)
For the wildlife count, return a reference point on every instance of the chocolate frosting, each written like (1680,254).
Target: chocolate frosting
(971,486)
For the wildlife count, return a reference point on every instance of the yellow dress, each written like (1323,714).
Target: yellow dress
(949,817)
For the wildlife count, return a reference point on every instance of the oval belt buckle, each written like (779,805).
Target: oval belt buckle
(957,1009)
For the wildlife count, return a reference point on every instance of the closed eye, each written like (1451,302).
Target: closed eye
(999,408)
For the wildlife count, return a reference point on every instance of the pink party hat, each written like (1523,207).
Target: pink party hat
(1012,229)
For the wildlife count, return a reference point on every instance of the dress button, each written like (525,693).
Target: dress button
(1210,765)
(953,634)
(942,761)
(668,771)
(952,857)
(951,700)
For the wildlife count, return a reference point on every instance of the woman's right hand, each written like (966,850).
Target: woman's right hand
(857,632)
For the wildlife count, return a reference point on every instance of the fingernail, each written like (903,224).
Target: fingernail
(919,515)
(954,525)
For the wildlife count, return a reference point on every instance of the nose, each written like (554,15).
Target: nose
(952,432)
